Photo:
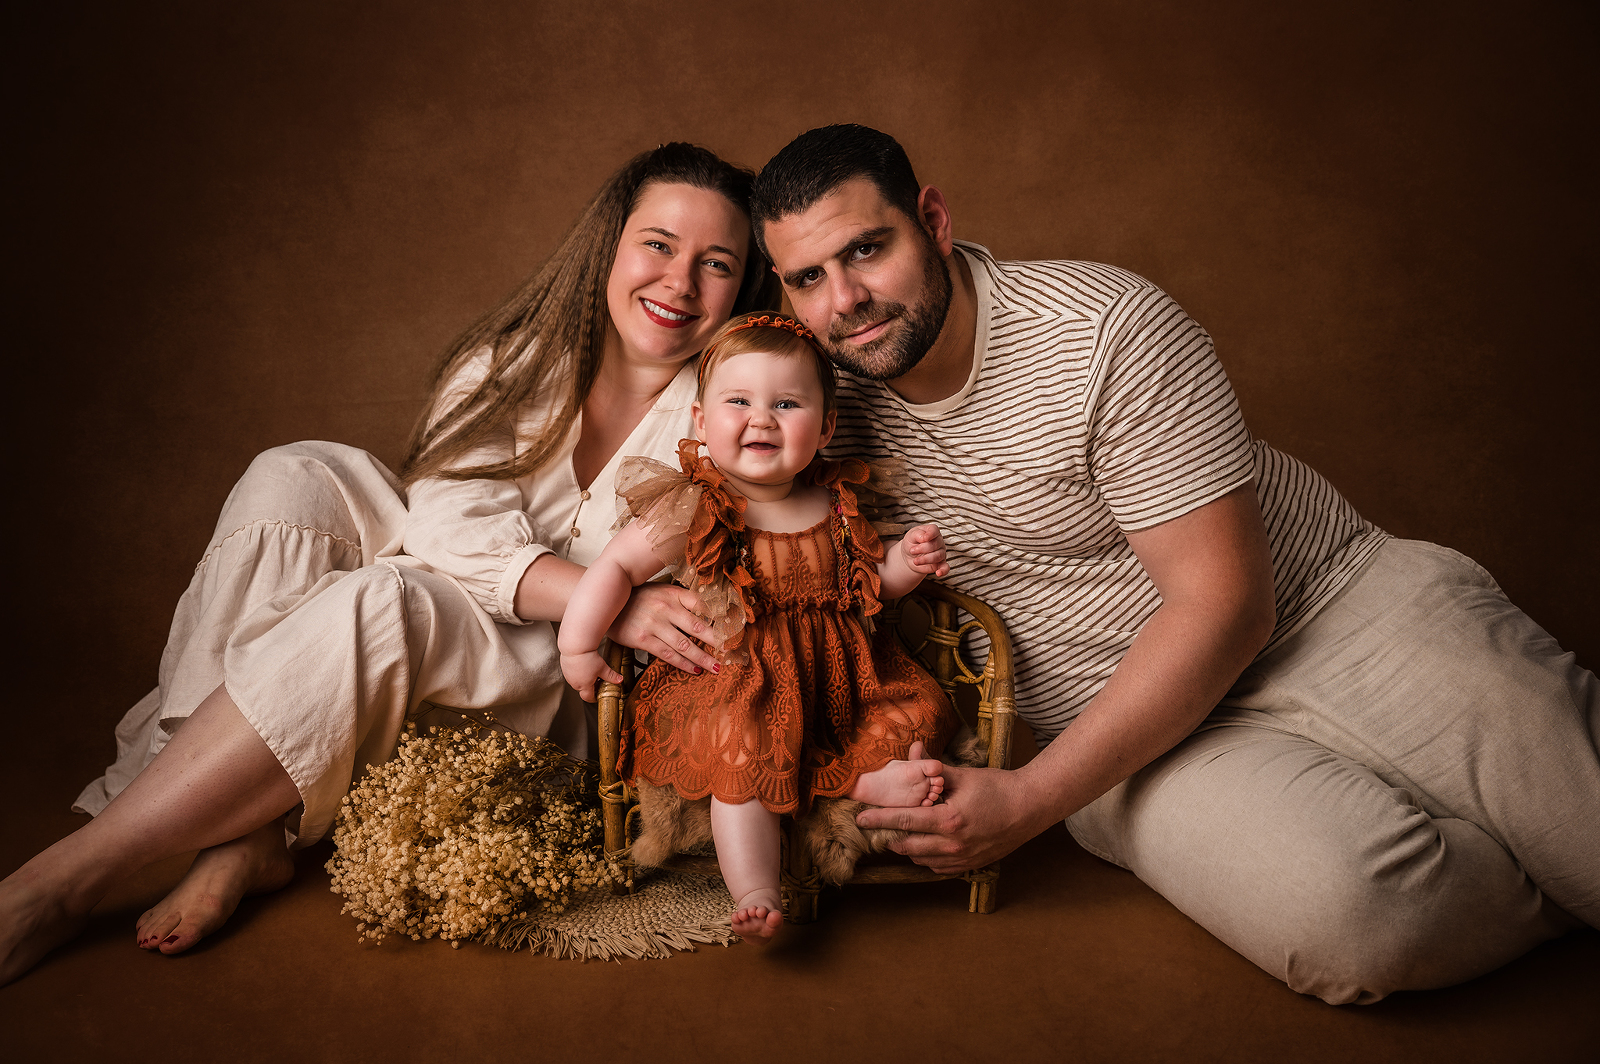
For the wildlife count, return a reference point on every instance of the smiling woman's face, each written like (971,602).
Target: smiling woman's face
(677,272)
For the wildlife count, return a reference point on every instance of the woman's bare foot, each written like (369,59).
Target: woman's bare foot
(918,781)
(33,921)
(213,887)
(758,915)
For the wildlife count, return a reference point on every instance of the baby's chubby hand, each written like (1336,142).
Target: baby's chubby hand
(582,670)
(924,550)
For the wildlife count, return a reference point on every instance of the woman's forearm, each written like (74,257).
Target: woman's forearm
(546,587)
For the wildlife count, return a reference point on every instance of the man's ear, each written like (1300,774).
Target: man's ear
(699,413)
(827,428)
(934,214)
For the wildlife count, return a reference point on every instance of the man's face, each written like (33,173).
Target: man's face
(869,281)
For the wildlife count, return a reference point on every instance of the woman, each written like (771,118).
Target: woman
(336,600)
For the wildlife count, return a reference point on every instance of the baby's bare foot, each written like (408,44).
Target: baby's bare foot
(919,781)
(758,915)
(213,887)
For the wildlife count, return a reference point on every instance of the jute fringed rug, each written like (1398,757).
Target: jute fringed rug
(668,912)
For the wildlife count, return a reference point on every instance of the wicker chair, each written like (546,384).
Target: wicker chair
(930,631)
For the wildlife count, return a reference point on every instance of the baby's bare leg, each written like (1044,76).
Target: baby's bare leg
(748,851)
(916,781)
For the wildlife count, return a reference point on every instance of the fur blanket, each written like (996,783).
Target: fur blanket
(669,823)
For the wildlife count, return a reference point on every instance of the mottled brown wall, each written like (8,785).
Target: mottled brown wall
(247,224)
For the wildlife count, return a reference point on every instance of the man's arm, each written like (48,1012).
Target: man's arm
(1213,568)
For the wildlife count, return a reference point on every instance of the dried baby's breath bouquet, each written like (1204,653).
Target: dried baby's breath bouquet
(464,831)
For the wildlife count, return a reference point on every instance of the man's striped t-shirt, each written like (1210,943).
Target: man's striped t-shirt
(1095,407)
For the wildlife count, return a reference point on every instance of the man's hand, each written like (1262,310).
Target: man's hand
(924,550)
(660,620)
(582,670)
(985,814)
(1213,569)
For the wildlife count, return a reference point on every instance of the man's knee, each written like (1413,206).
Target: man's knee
(1440,904)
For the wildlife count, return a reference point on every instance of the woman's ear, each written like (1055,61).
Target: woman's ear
(699,413)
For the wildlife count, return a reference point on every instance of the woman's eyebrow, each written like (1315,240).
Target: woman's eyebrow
(670,235)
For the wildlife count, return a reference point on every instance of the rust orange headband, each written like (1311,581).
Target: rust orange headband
(762,321)
(775,321)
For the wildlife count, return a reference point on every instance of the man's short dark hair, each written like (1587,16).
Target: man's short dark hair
(819,161)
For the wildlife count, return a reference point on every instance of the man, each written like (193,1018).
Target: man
(1346,755)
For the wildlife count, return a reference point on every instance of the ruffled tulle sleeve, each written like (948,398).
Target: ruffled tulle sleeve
(888,482)
(862,491)
(662,500)
(693,525)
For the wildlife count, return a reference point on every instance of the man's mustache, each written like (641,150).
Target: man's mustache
(871,314)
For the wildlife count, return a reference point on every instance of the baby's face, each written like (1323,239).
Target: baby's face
(760,417)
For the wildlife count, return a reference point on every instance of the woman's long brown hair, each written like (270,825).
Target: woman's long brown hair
(557,320)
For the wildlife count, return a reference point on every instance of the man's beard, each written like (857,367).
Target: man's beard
(908,340)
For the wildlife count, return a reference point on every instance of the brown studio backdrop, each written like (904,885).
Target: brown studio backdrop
(248,225)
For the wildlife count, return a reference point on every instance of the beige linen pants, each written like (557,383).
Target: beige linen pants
(326,636)
(1404,795)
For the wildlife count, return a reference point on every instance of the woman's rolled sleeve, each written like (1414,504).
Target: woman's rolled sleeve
(477,532)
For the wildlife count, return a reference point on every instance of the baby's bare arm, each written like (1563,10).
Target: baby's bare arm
(919,553)
(600,595)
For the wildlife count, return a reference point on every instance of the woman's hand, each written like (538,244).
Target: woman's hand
(660,619)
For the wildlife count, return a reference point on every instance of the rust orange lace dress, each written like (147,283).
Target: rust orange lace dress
(808,697)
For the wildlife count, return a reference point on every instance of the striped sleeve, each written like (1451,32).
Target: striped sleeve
(1165,432)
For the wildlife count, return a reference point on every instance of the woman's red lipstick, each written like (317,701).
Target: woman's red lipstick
(668,323)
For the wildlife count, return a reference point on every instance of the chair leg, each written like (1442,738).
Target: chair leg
(985,890)
(802,884)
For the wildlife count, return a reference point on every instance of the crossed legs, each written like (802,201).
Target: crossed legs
(217,788)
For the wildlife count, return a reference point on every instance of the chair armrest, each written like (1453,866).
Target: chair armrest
(994,682)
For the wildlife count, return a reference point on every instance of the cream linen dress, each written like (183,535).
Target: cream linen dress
(334,612)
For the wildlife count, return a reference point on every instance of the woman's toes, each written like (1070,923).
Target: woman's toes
(155,925)
(180,939)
